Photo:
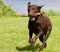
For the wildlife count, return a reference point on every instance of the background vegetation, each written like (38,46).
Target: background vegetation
(14,32)
(6,10)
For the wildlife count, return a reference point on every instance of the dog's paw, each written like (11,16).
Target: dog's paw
(32,42)
(40,49)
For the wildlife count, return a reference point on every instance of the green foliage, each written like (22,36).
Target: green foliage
(52,13)
(6,10)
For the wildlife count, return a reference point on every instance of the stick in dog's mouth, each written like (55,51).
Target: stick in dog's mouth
(37,14)
(32,19)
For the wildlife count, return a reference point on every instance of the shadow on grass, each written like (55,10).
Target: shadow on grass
(28,48)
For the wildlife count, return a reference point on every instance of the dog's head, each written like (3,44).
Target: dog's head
(33,10)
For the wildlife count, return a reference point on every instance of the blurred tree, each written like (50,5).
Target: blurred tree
(51,12)
(6,10)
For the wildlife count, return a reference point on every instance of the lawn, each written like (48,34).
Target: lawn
(14,35)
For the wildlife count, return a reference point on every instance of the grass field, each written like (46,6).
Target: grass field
(14,35)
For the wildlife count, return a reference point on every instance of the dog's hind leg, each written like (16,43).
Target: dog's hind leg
(43,40)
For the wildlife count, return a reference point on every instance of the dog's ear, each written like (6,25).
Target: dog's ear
(29,3)
(41,6)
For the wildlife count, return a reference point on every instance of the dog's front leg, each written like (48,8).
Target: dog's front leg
(30,36)
(36,37)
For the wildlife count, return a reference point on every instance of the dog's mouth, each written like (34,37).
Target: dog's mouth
(33,17)
(37,14)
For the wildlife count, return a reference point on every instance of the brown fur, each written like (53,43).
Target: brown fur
(41,25)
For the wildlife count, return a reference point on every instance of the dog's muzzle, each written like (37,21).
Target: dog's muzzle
(32,18)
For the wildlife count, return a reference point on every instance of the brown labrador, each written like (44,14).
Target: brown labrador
(38,24)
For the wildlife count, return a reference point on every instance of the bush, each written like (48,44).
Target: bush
(52,13)
(6,10)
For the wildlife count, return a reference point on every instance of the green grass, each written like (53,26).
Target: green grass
(14,35)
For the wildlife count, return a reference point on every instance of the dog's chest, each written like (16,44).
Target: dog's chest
(34,26)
